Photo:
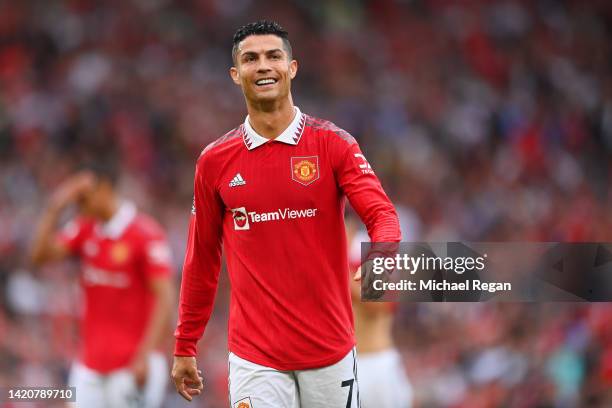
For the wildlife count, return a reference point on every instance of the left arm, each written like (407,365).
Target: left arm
(365,193)
(363,190)
(158,325)
(159,283)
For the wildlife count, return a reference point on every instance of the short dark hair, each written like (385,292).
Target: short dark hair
(104,169)
(261,27)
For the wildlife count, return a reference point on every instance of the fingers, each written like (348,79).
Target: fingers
(195,380)
(186,393)
(357,276)
(182,390)
(71,189)
(79,182)
(82,182)
(140,369)
(141,378)
(84,178)
(188,383)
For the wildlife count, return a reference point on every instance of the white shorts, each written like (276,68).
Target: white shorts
(118,388)
(383,381)
(255,386)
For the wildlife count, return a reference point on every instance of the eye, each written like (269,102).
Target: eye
(276,56)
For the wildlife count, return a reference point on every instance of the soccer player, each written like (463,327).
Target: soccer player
(126,281)
(272,191)
(382,379)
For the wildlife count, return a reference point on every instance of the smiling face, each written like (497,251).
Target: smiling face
(263,69)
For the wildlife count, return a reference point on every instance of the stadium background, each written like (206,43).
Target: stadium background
(485,120)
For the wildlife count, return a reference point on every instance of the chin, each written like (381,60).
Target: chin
(270,97)
(88,213)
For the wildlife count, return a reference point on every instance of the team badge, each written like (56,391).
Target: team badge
(119,252)
(305,170)
(241,221)
(243,403)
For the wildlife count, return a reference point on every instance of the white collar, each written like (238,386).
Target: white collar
(291,135)
(122,218)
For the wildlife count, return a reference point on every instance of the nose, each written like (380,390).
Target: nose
(263,66)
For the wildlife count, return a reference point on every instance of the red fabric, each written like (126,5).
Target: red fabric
(118,302)
(606,367)
(290,303)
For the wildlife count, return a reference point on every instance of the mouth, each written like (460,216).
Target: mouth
(265,82)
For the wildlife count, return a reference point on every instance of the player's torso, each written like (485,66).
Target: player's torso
(284,244)
(111,267)
(117,300)
(278,185)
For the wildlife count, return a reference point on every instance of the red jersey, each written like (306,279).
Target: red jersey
(117,258)
(278,207)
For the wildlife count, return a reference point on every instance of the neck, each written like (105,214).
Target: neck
(271,119)
(110,209)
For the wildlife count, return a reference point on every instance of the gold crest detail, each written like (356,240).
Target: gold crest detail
(120,252)
(305,170)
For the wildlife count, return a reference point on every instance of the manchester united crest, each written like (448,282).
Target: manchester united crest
(305,170)
(119,252)
(243,403)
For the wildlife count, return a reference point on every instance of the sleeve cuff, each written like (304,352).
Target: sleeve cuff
(382,249)
(185,348)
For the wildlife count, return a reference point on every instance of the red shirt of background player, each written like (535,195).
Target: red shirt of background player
(117,259)
(278,208)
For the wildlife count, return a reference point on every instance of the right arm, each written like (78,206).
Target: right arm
(46,247)
(200,278)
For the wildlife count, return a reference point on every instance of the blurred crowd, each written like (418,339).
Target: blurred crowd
(485,121)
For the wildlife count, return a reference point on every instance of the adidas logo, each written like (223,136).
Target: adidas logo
(237,181)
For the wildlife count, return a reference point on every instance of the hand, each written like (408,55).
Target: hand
(70,190)
(187,378)
(140,370)
(357,276)
(366,277)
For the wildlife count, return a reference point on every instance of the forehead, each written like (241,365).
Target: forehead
(260,43)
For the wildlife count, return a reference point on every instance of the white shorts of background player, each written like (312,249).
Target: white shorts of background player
(383,381)
(255,386)
(118,389)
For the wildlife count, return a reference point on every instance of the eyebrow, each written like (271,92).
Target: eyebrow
(265,52)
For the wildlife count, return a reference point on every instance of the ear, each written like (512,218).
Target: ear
(293,68)
(233,71)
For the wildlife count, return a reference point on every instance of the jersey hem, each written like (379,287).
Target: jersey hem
(101,369)
(291,366)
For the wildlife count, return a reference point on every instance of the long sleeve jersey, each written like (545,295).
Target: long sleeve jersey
(277,208)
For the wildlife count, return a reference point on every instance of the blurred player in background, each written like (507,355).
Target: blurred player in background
(382,380)
(126,281)
(273,191)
